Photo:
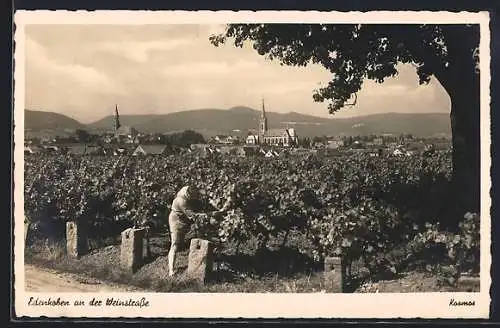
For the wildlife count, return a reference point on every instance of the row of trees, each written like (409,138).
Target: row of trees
(180,139)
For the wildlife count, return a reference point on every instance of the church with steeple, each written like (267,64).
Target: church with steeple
(121,131)
(263,121)
(272,137)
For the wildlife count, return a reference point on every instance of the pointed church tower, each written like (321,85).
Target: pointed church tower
(263,122)
(117,119)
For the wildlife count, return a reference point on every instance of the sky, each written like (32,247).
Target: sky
(84,70)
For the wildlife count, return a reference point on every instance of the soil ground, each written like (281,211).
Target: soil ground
(39,279)
(100,271)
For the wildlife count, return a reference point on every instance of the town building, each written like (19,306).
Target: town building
(30,150)
(335,144)
(124,133)
(252,139)
(225,140)
(143,150)
(272,137)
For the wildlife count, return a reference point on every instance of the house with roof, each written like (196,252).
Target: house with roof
(226,140)
(335,144)
(30,150)
(150,150)
(271,154)
(120,151)
(51,149)
(401,152)
(126,131)
(204,149)
(252,139)
(262,152)
(318,145)
(111,150)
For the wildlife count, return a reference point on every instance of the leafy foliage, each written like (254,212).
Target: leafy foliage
(462,247)
(184,138)
(325,200)
(353,52)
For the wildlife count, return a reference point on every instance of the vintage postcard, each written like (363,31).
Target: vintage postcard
(270,164)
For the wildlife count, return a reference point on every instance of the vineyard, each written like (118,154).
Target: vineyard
(388,213)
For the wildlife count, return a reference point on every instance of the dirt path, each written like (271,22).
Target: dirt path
(44,280)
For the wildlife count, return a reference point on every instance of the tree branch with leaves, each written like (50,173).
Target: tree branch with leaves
(356,52)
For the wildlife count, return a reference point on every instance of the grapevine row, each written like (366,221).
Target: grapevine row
(352,204)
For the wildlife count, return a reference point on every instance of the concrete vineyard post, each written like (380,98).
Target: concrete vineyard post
(334,274)
(132,249)
(76,239)
(26,230)
(200,260)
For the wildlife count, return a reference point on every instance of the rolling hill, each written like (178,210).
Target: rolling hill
(40,120)
(49,124)
(214,121)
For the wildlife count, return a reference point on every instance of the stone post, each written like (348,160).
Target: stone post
(131,249)
(76,239)
(26,230)
(200,260)
(334,274)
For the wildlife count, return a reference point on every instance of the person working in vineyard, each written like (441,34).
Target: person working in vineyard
(182,216)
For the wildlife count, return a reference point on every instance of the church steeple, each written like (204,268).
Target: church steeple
(263,120)
(117,119)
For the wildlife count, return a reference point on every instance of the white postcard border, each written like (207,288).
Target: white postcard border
(269,305)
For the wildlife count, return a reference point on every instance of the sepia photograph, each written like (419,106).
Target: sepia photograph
(246,158)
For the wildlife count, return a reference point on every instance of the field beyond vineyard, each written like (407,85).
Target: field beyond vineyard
(389,217)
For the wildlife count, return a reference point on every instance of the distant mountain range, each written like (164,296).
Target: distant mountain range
(239,120)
